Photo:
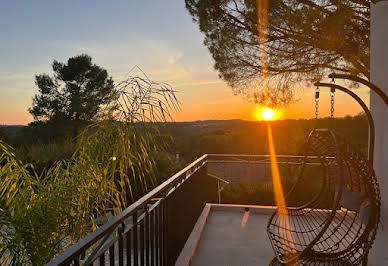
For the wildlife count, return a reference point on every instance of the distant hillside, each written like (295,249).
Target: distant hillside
(236,135)
(205,126)
(192,139)
(11,130)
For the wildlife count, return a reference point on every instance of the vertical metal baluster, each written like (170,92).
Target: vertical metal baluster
(135,237)
(152,236)
(128,246)
(76,262)
(147,234)
(112,254)
(141,235)
(102,259)
(161,234)
(157,234)
(165,232)
(121,250)
(83,254)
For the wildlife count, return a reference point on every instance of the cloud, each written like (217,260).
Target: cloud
(194,83)
(175,58)
(160,59)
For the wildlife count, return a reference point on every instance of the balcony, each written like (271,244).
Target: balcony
(183,221)
(227,234)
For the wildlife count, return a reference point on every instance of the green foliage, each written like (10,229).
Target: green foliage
(42,214)
(21,210)
(74,94)
(44,155)
(117,151)
(193,139)
(43,132)
(304,40)
(115,161)
(48,205)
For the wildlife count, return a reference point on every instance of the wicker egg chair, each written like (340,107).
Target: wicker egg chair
(338,225)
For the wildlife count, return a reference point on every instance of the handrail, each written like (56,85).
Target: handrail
(83,244)
(255,155)
(161,191)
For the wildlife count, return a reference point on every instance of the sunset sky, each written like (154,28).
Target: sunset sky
(156,35)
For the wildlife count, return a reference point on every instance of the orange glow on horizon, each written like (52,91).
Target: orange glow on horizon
(221,105)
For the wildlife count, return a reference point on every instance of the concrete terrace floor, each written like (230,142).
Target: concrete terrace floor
(226,241)
(230,235)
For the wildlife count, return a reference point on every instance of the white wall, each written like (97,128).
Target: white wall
(379,76)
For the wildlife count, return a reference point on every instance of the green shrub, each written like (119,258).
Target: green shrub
(44,155)
(115,160)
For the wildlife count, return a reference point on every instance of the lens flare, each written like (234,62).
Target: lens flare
(279,195)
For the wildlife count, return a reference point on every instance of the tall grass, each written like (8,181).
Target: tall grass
(115,159)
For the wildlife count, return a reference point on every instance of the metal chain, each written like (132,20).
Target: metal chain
(316,102)
(332,94)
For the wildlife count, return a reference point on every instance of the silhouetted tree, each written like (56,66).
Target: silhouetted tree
(304,39)
(74,94)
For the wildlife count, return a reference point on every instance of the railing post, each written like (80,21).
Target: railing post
(112,254)
(135,237)
(166,247)
(160,234)
(121,248)
(128,247)
(152,236)
(101,259)
(141,236)
(147,235)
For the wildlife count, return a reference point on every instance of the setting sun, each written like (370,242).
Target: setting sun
(266,114)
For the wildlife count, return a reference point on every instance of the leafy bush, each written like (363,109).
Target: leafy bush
(43,132)
(44,155)
(115,160)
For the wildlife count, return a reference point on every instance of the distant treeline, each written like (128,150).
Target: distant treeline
(44,144)
(192,139)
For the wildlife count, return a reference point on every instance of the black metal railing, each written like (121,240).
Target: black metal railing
(154,229)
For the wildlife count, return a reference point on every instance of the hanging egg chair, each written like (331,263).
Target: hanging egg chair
(338,225)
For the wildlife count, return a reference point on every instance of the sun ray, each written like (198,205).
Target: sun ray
(279,194)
